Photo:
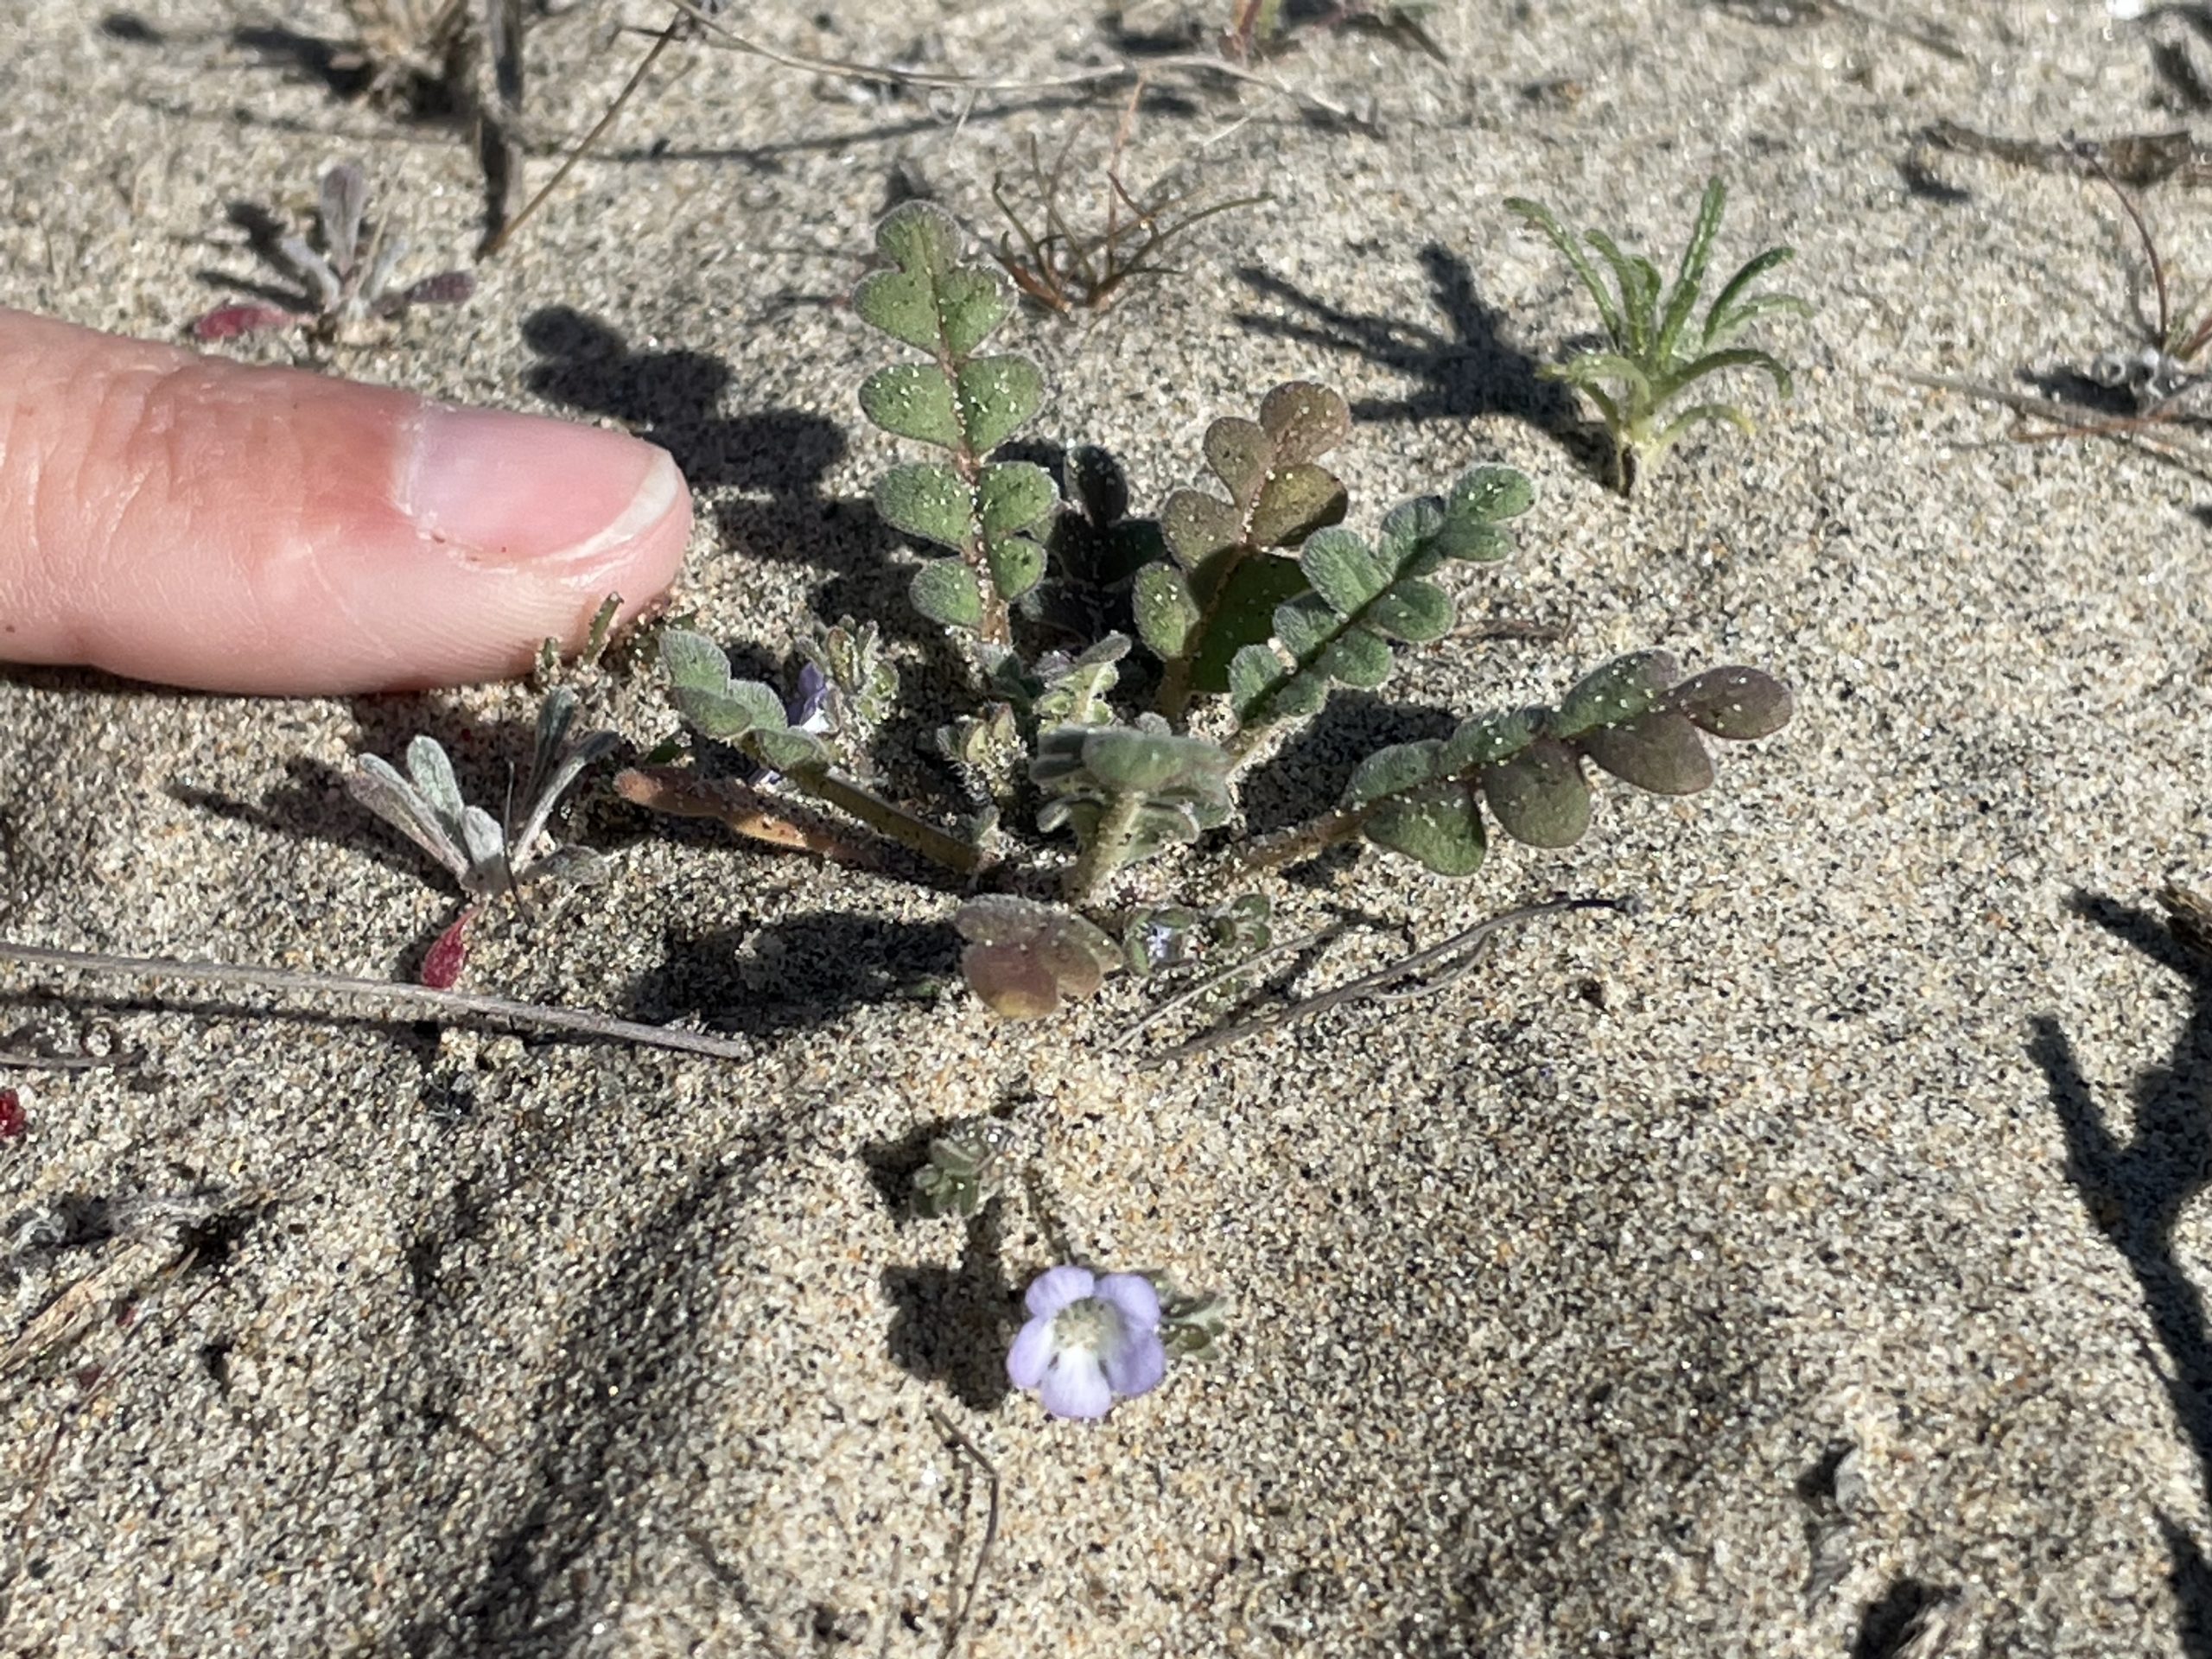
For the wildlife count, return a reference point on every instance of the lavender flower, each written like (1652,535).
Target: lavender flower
(1089,1340)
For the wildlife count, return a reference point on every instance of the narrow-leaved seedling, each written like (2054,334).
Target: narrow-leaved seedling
(350,280)
(1657,351)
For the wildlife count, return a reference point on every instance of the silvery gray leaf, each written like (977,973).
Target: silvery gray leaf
(487,850)
(391,798)
(343,199)
(433,774)
(322,281)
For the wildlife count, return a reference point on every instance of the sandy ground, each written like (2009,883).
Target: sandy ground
(1810,1255)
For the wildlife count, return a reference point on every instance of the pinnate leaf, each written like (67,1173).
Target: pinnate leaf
(1390,771)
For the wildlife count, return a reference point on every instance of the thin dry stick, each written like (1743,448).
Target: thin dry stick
(1319,936)
(1475,940)
(959,1623)
(677,27)
(381,993)
(1125,69)
(28,1060)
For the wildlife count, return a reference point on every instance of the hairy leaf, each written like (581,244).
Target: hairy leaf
(1734,703)
(913,400)
(946,592)
(1437,825)
(926,499)
(997,395)
(1539,795)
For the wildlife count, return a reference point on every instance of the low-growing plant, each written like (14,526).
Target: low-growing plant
(485,856)
(1657,350)
(347,282)
(1256,604)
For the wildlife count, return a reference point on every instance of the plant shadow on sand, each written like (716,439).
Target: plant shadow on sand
(2135,1194)
(1466,369)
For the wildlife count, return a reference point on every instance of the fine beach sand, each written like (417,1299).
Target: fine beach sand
(1714,1282)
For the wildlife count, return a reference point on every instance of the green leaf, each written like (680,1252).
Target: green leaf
(1621,690)
(1011,496)
(1414,611)
(1253,672)
(945,591)
(928,501)
(1659,752)
(1390,771)
(1539,795)
(786,749)
(971,304)
(1480,503)
(1017,564)
(1488,740)
(1165,613)
(918,236)
(901,304)
(1740,703)
(1356,659)
(1243,614)
(913,400)
(1439,826)
(744,707)
(704,694)
(997,394)
(1343,570)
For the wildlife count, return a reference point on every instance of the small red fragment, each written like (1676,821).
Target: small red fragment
(441,962)
(13,1122)
(229,322)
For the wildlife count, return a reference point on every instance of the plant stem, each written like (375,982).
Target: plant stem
(1303,841)
(892,823)
(1101,855)
(382,993)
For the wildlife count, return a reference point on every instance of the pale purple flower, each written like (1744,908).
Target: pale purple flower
(1089,1341)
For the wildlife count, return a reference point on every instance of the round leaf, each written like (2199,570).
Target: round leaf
(997,394)
(1661,752)
(1390,771)
(1539,795)
(918,236)
(1199,527)
(1239,453)
(1165,613)
(1621,690)
(1244,614)
(1414,611)
(926,500)
(1017,565)
(1438,826)
(1734,703)
(1305,419)
(1011,496)
(1293,503)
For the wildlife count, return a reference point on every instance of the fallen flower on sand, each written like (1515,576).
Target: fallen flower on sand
(1089,1340)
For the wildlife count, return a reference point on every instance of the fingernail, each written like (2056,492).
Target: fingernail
(505,489)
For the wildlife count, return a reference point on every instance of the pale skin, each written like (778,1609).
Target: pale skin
(195,522)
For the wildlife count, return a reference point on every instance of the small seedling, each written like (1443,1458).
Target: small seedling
(484,855)
(346,283)
(1655,352)
(1257,608)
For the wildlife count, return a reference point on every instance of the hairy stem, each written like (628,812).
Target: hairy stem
(1302,841)
(892,823)
(1109,844)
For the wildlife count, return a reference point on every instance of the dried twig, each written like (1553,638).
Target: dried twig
(382,994)
(1212,982)
(959,1623)
(1474,941)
